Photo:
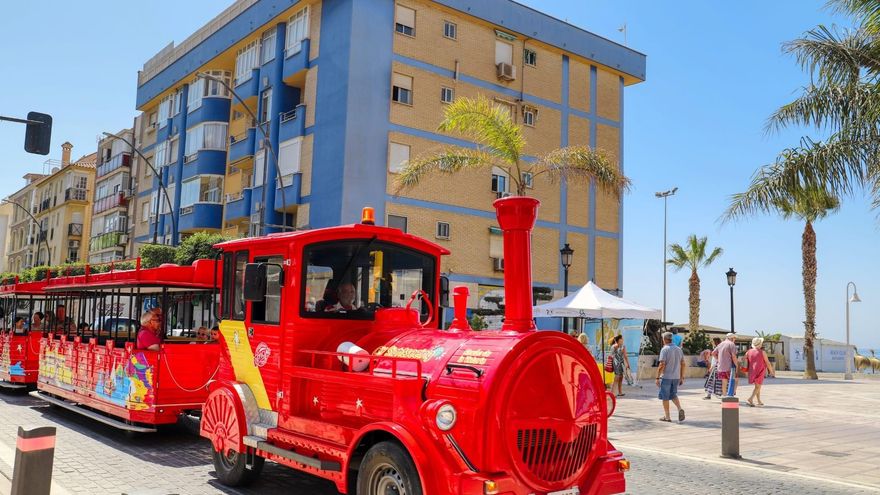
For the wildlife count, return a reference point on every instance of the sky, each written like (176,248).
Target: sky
(715,72)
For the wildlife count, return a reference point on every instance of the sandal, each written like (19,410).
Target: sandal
(620,395)
(750,403)
(667,420)
(681,414)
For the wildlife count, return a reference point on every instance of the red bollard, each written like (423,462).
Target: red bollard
(34,455)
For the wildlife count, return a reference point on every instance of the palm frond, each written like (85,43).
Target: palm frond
(447,161)
(831,106)
(867,12)
(582,163)
(487,123)
(678,257)
(834,55)
(717,252)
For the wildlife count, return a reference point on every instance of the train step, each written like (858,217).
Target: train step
(260,443)
(12,386)
(77,408)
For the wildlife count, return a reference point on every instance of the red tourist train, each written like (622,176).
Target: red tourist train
(89,361)
(334,362)
(21,332)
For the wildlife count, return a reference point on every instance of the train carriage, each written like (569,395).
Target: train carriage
(90,361)
(20,333)
(334,362)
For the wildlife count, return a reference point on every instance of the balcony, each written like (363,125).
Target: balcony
(108,202)
(249,88)
(296,62)
(241,146)
(75,194)
(238,206)
(75,229)
(107,240)
(205,162)
(115,163)
(200,216)
(293,123)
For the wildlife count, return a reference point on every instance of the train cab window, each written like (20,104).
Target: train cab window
(237,286)
(269,309)
(352,279)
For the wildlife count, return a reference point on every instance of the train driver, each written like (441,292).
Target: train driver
(346,295)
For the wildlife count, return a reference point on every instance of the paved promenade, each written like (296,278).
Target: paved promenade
(825,430)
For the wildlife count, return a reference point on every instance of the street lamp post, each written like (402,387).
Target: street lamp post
(849,356)
(48,251)
(565,256)
(665,195)
(731,281)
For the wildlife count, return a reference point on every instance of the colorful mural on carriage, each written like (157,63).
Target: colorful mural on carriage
(126,380)
(56,366)
(8,369)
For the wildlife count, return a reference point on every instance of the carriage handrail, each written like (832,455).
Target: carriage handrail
(373,360)
(197,389)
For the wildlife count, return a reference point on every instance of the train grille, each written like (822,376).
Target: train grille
(550,459)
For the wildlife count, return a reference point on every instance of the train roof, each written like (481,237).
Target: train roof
(200,275)
(352,231)
(26,288)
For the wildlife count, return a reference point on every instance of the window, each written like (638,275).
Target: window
(267,47)
(201,88)
(194,97)
(206,136)
(165,110)
(499,183)
(398,155)
(269,310)
(397,222)
(404,20)
(145,211)
(288,159)
(148,171)
(496,243)
(351,279)
(297,31)
(201,189)
(527,179)
(450,30)
(164,207)
(447,95)
(401,89)
(442,230)
(530,57)
(503,52)
(265,106)
(238,303)
(161,154)
(529,116)
(246,62)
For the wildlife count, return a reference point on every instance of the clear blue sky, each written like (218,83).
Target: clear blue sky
(715,72)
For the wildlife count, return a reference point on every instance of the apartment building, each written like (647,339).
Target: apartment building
(340,93)
(109,240)
(53,214)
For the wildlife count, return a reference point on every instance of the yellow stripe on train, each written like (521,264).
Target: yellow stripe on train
(242,356)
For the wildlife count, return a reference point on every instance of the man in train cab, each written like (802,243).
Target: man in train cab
(148,337)
(346,295)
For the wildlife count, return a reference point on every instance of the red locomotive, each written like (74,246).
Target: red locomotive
(89,361)
(333,362)
(20,334)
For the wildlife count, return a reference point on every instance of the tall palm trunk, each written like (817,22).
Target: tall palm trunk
(808,248)
(694,301)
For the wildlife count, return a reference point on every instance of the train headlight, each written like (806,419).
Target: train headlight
(446,417)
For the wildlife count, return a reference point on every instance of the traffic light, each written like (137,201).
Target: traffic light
(38,136)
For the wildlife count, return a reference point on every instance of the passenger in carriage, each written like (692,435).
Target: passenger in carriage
(37,320)
(148,337)
(215,333)
(202,333)
(18,326)
(62,322)
(84,330)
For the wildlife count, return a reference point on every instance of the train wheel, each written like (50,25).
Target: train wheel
(232,468)
(387,469)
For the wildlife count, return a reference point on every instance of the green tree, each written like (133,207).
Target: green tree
(500,143)
(692,255)
(695,342)
(808,206)
(198,246)
(153,255)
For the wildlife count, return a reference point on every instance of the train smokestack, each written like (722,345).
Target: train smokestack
(516,217)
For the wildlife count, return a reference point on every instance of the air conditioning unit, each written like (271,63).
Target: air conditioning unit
(123,239)
(498,264)
(127,193)
(506,72)
(502,194)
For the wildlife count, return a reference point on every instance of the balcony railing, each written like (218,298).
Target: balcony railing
(112,201)
(107,240)
(118,161)
(45,204)
(75,229)
(75,194)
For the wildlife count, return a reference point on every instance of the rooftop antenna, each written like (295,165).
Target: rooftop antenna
(622,29)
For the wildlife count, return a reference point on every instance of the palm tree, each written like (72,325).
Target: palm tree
(808,206)
(693,255)
(500,143)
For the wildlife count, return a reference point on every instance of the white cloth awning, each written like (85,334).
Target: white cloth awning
(592,302)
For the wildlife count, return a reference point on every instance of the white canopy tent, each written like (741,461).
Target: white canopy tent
(592,302)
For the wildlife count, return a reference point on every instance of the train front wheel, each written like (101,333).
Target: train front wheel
(232,468)
(387,469)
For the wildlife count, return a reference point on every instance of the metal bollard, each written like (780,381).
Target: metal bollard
(34,454)
(730,428)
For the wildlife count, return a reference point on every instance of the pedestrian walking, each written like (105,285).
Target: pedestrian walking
(618,363)
(713,384)
(726,361)
(759,365)
(670,375)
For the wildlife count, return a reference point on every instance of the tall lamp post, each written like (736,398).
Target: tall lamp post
(565,256)
(731,281)
(849,356)
(665,195)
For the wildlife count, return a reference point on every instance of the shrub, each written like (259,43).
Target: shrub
(198,246)
(153,255)
(69,269)
(696,342)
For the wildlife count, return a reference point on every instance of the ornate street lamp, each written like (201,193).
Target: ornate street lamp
(731,281)
(565,256)
(849,356)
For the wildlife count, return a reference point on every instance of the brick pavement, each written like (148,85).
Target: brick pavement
(824,429)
